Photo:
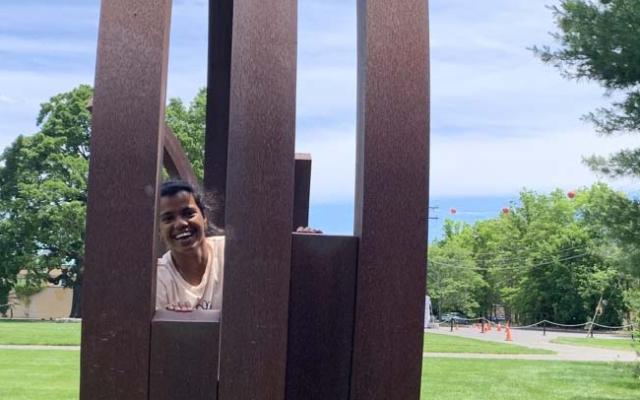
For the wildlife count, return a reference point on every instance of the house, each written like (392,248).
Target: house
(50,302)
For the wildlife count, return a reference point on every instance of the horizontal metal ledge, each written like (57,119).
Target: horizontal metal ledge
(191,316)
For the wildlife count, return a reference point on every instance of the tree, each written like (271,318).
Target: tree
(188,124)
(43,181)
(549,257)
(600,41)
(557,277)
(614,221)
(452,275)
(43,189)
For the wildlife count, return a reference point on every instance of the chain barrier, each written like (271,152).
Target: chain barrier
(632,326)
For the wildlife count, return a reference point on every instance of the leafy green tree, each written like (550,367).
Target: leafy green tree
(599,41)
(188,124)
(43,181)
(452,275)
(562,262)
(496,244)
(549,257)
(12,258)
(43,189)
(614,221)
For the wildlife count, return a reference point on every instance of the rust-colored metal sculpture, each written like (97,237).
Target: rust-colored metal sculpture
(305,316)
(128,116)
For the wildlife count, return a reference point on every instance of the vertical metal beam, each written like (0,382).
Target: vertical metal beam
(323,284)
(128,115)
(391,198)
(184,356)
(259,203)
(218,92)
(301,190)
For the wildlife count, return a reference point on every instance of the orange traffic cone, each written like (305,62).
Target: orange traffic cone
(499,328)
(509,338)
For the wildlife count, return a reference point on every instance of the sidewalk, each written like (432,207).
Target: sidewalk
(535,339)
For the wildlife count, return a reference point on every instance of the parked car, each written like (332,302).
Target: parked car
(457,318)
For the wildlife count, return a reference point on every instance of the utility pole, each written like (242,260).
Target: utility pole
(434,209)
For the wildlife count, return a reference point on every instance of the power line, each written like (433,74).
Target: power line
(513,259)
(514,267)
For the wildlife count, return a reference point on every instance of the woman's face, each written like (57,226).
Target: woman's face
(182,225)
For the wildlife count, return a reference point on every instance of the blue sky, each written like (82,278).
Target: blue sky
(501,120)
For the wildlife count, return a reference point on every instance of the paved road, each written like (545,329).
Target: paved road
(536,340)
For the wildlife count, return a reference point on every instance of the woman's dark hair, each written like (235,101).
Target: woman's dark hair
(174,186)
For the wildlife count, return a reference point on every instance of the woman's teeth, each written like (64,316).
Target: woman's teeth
(183,235)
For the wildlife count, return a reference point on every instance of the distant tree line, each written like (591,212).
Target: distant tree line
(548,256)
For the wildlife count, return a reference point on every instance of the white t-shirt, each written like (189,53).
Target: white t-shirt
(172,289)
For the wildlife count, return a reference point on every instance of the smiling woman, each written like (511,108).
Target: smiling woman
(190,273)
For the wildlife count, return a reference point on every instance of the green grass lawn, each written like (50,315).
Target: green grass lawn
(39,375)
(51,333)
(439,343)
(458,379)
(54,375)
(614,344)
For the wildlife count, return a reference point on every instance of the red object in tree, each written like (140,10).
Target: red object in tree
(505,210)
(571,194)
(453,211)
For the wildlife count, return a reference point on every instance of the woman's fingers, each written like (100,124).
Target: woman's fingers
(180,307)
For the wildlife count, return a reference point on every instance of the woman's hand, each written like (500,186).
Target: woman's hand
(181,307)
(308,230)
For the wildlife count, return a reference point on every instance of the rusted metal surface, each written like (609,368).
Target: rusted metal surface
(391,198)
(218,84)
(323,273)
(174,158)
(301,190)
(184,356)
(259,203)
(128,111)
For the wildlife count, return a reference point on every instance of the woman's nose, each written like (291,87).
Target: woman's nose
(180,223)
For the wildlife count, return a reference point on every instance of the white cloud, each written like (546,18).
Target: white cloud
(501,119)
(333,163)
(328,93)
(473,165)
(29,89)
(41,46)
(7,100)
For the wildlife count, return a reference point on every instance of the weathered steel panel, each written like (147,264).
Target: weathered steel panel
(218,84)
(184,356)
(323,273)
(259,201)
(302,190)
(391,198)
(128,115)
